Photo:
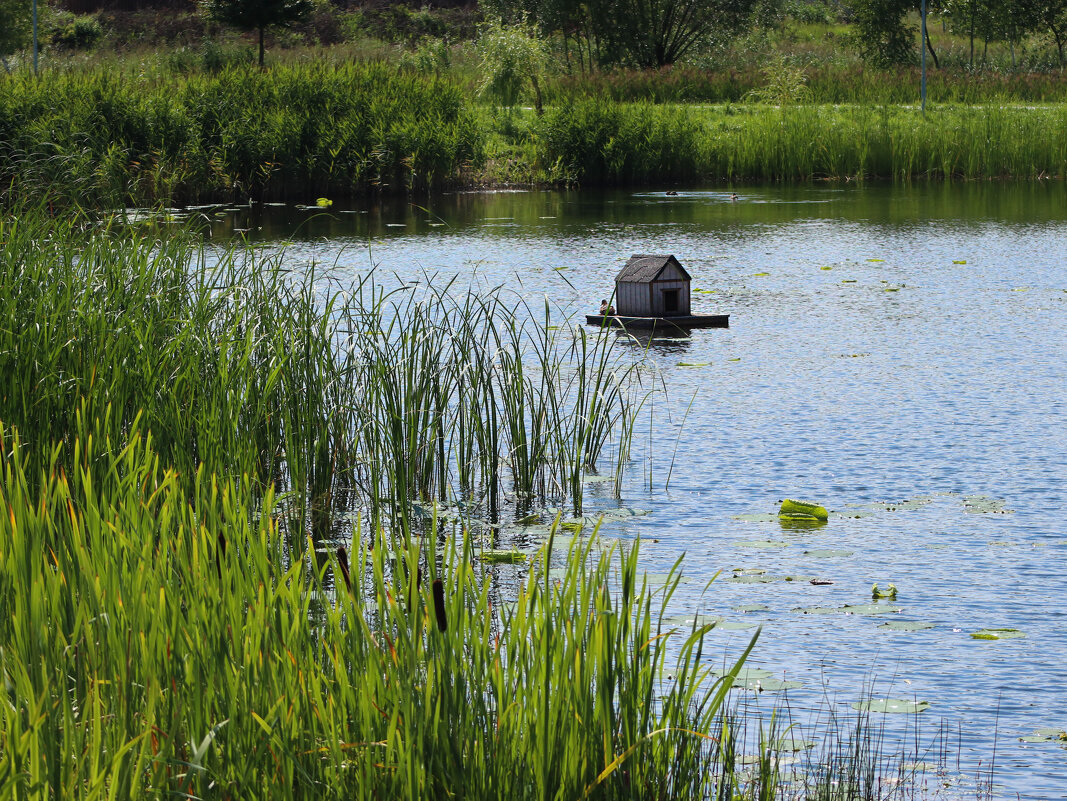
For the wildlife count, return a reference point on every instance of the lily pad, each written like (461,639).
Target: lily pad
(984,505)
(850,609)
(621,513)
(762,517)
(906,625)
(828,553)
(789,743)
(691,621)
(745,674)
(891,706)
(959,261)
(1046,736)
(660,579)
(870,609)
(752,608)
(504,557)
(734,625)
(997,634)
(763,544)
(759,680)
(693,364)
(802,509)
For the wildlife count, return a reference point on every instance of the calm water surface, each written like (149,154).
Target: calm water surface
(886,345)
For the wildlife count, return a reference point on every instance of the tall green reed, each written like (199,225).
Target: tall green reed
(99,138)
(348,397)
(159,640)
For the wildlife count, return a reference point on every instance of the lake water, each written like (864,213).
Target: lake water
(897,354)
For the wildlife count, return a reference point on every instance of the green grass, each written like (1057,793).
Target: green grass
(100,138)
(164,641)
(598,142)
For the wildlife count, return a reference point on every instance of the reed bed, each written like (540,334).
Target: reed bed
(352,399)
(99,138)
(215,582)
(597,142)
(162,638)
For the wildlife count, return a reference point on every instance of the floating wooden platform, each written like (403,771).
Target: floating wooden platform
(683,323)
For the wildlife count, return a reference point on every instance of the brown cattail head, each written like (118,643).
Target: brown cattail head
(342,563)
(439,604)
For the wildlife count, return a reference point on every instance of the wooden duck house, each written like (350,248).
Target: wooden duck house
(652,286)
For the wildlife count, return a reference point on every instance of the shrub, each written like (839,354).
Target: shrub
(75,31)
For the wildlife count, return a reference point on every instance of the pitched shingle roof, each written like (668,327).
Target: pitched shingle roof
(645,269)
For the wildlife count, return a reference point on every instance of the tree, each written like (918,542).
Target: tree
(256,15)
(511,54)
(639,33)
(1051,16)
(655,33)
(885,38)
(14,27)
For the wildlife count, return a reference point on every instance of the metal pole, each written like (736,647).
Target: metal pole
(34,37)
(922,47)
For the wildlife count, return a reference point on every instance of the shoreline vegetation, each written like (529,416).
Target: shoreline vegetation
(99,139)
(189,607)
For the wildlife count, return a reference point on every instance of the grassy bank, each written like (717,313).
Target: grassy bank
(600,142)
(301,132)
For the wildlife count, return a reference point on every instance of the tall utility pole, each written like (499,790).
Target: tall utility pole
(922,48)
(34,37)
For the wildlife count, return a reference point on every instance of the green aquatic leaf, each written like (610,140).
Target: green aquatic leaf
(984,504)
(761,517)
(756,578)
(763,544)
(735,625)
(828,553)
(790,743)
(745,674)
(997,634)
(850,609)
(826,268)
(877,261)
(906,625)
(799,522)
(801,509)
(1046,735)
(693,364)
(759,680)
(891,706)
(959,261)
(660,579)
(752,608)
(504,557)
(690,621)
